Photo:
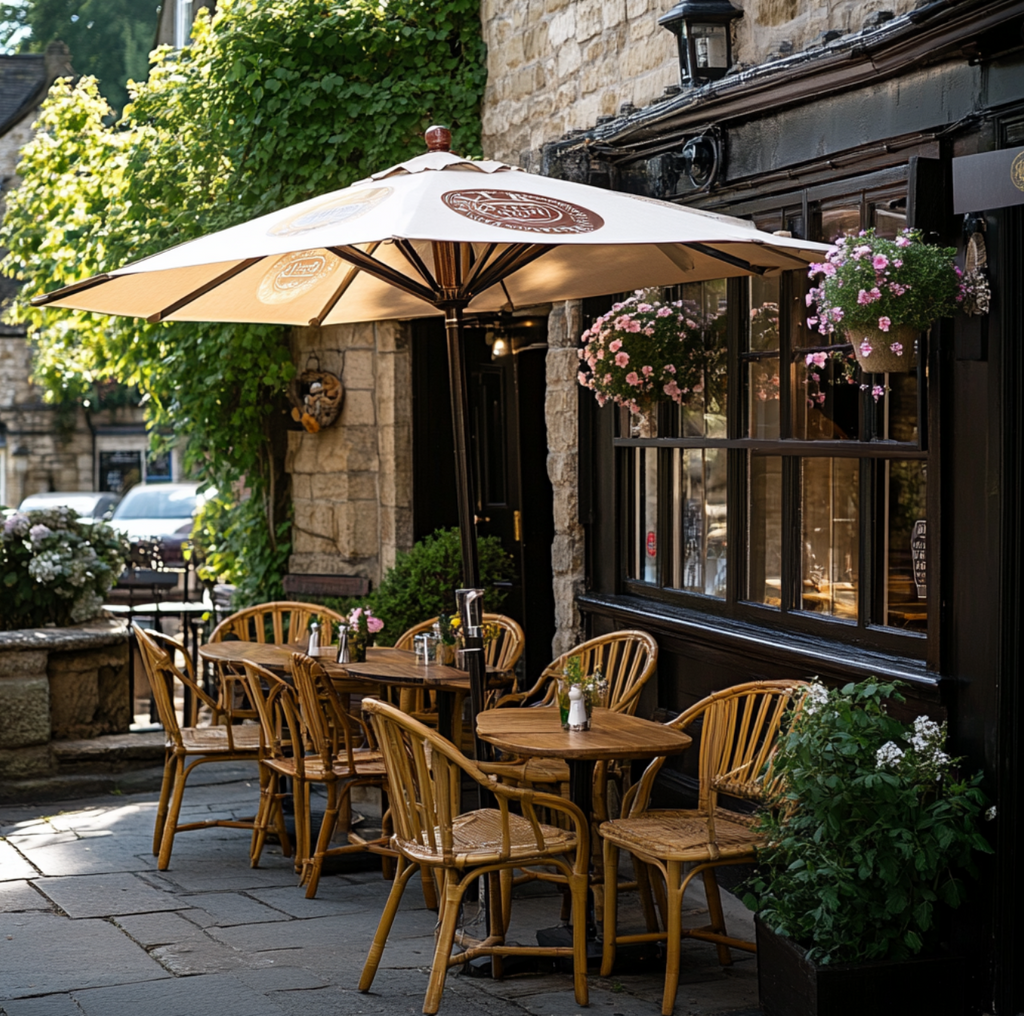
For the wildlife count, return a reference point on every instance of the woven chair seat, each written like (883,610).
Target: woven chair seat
(367,764)
(477,839)
(246,737)
(682,836)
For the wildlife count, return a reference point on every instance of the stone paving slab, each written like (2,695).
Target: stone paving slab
(106,895)
(45,953)
(48,1005)
(218,994)
(18,896)
(151,930)
(228,909)
(13,866)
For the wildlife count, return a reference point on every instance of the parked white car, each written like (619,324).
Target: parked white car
(160,511)
(87,504)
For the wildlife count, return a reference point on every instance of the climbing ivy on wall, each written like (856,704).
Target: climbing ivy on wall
(275,101)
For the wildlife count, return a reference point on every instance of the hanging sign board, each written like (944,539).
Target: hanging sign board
(989,180)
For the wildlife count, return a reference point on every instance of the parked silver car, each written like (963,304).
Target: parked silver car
(88,504)
(159,511)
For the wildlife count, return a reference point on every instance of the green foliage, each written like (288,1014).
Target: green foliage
(55,569)
(109,39)
(226,552)
(423,581)
(869,828)
(273,103)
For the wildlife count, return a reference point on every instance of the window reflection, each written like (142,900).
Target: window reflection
(699,521)
(830,543)
(906,542)
(645,514)
(764,538)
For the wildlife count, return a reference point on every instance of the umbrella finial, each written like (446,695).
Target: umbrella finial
(438,138)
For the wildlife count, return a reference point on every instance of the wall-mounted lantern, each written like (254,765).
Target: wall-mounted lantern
(703,29)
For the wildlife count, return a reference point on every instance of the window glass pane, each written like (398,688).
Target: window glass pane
(763,371)
(764,313)
(905,597)
(644,556)
(826,395)
(842,221)
(699,523)
(888,221)
(899,408)
(830,541)
(764,538)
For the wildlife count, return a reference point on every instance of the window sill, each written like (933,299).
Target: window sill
(804,652)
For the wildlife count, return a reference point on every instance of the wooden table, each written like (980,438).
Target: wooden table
(538,732)
(383,667)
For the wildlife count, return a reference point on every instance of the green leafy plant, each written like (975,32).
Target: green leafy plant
(423,581)
(272,103)
(869,829)
(55,569)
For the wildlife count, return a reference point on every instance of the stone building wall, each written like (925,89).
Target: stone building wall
(557,65)
(352,482)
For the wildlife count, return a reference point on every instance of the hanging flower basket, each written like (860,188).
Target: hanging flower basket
(316,397)
(881,293)
(645,351)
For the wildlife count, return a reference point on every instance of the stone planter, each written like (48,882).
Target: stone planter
(59,683)
(882,359)
(789,985)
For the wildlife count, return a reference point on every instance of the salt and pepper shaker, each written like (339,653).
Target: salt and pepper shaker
(343,644)
(314,639)
(577,709)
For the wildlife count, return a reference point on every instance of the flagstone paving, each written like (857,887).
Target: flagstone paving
(89,926)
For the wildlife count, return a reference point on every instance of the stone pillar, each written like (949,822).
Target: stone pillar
(25,708)
(561,415)
(352,483)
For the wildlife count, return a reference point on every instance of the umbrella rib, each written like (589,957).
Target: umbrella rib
(75,287)
(350,277)
(412,256)
(203,289)
(479,266)
(383,272)
(506,264)
(729,259)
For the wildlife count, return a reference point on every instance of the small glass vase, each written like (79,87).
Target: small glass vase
(593,692)
(446,653)
(358,643)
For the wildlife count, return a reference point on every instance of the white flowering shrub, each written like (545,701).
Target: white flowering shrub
(54,568)
(869,831)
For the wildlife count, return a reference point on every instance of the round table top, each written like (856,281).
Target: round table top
(538,732)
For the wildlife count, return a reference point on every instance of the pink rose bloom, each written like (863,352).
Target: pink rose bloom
(617,307)
(898,263)
(902,241)
(664,311)
(691,324)
(632,378)
(582,378)
(374,624)
(671,390)
(879,262)
(808,300)
(647,371)
(622,321)
(884,323)
(649,330)
(670,367)
(591,362)
(644,308)
(818,359)
(615,345)
(828,269)
(812,322)
(862,251)
(897,348)
(865,348)
(878,391)
(607,379)
(621,359)
(837,313)
(633,326)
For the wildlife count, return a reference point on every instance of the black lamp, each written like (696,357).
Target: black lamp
(703,29)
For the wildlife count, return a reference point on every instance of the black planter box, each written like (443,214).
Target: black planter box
(789,985)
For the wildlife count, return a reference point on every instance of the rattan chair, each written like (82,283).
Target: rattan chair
(185,739)
(425,775)
(738,734)
(279,623)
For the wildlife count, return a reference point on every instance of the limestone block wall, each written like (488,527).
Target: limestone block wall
(557,65)
(352,483)
(561,416)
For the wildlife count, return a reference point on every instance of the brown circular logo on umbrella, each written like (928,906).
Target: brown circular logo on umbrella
(331,212)
(294,274)
(531,213)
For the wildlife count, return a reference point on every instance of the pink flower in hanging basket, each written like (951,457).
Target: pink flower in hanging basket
(884,323)
(621,359)
(897,348)
(615,345)
(865,348)
(632,378)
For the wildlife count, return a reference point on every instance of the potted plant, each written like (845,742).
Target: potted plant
(363,628)
(645,351)
(869,828)
(881,293)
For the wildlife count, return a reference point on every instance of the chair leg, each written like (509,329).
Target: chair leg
(403,870)
(445,941)
(312,868)
(300,799)
(506,899)
(171,822)
(268,788)
(716,914)
(429,886)
(161,809)
(497,924)
(579,883)
(674,927)
(611,906)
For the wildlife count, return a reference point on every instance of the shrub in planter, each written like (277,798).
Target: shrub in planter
(55,569)
(870,828)
(881,293)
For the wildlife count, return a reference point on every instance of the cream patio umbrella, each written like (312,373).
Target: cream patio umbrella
(438,234)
